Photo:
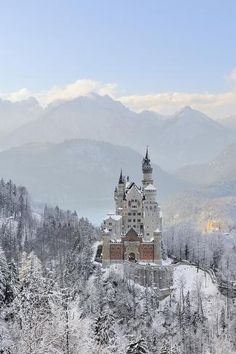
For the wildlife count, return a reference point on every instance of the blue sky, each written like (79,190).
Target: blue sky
(143,47)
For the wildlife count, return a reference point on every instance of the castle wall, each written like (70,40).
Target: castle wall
(159,277)
(146,252)
(116,252)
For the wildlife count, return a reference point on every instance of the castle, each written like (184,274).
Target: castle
(133,233)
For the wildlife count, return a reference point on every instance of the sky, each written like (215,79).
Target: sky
(150,54)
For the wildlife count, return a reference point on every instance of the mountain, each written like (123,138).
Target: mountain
(15,114)
(192,136)
(196,207)
(222,168)
(229,122)
(187,137)
(78,174)
(215,195)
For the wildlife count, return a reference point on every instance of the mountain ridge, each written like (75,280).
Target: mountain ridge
(187,137)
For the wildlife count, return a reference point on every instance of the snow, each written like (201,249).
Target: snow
(150,187)
(167,261)
(191,275)
(113,217)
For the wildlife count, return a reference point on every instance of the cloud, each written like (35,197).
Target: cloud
(19,95)
(67,92)
(216,105)
(232,76)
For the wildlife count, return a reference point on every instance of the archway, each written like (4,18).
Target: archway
(132,257)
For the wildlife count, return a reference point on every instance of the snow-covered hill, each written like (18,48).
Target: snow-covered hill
(78,174)
(221,168)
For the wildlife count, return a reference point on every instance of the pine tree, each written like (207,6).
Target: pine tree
(104,330)
(4,275)
(165,348)
(222,319)
(137,347)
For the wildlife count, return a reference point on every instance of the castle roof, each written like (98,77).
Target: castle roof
(150,187)
(113,217)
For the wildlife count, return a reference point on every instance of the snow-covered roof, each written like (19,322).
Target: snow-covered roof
(113,217)
(133,186)
(157,230)
(150,187)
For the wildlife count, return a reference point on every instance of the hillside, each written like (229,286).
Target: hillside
(78,174)
(222,168)
(229,122)
(15,114)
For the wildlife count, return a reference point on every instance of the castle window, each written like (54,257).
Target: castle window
(134,220)
(134,214)
(139,214)
(139,220)
(110,223)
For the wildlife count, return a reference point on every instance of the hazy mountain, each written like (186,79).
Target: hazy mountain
(192,136)
(78,174)
(15,114)
(222,168)
(229,122)
(198,207)
(214,197)
(187,137)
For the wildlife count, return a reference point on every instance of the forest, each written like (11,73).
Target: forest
(55,299)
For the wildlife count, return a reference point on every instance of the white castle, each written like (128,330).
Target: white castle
(132,236)
(135,207)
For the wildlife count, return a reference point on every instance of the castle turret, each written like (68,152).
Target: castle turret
(119,195)
(106,238)
(157,246)
(147,170)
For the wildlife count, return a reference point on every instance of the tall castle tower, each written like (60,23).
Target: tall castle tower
(152,218)
(147,170)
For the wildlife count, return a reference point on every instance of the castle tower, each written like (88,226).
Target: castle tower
(157,246)
(119,193)
(106,238)
(147,170)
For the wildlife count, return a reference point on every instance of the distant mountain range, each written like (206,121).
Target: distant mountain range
(215,195)
(221,169)
(188,137)
(15,114)
(79,174)
(229,122)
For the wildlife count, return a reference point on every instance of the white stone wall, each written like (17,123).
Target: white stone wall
(114,225)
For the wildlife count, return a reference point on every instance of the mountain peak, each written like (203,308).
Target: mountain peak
(187,109)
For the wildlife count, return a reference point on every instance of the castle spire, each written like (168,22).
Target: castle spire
(147,170)
(146,156)
(121,179)
(146,165)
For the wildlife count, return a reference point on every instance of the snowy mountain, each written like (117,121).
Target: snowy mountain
(78,174)
(222,168)
(15,114)
(229,122)
(187,137)
(192,136)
